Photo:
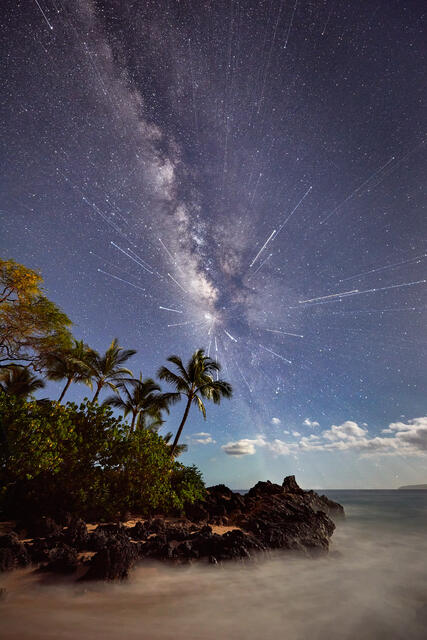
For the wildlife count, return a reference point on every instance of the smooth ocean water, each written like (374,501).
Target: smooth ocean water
(373,585)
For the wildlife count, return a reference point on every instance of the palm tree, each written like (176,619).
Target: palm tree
(195,382)
(143,400)
(107,369)
(70,365)
(19,381)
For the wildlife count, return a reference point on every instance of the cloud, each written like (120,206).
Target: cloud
(248,447)
(406,439)
(296,433)
(275,421)
(347,431)
(310,423)
(201,438)
(240,448)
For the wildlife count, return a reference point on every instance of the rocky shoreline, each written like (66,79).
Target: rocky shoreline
(225,526)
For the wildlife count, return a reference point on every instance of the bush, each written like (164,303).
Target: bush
(81,459)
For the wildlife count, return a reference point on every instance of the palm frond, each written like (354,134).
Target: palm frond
(199,404)
(172,378)
(176,360)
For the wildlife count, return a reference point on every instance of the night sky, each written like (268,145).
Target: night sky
(194,174)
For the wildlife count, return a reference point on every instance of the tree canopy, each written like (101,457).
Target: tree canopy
(31,325)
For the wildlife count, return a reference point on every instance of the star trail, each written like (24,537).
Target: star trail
(256,167)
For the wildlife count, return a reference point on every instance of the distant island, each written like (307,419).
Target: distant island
(413,487)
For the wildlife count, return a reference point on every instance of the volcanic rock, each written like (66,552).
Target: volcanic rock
(13,553)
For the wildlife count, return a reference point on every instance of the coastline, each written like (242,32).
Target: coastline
(224,526)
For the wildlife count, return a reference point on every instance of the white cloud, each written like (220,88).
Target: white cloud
(406,439)
(242,447)
(275,421)
(201,438)
(296,433)
(310,423)
(347,431)
(248,446)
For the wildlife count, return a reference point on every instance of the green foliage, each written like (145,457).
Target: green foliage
(30,324)
(82,459)
(187,483)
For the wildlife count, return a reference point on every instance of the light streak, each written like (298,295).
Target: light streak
(275,354)
(293,211)
(44,15)
(140,259)
(275,232)
(170,255)
(167,250)
(105,261)
(392,286)
(211,327)
(168,309)
(326,23)
(416,259)
(353,193)
(263,247)
(241,373)
(356,292)
(131,257)
(332,295)
(285,333)
(121,279)
(229,335)
(290,24)
(182,324)
(176,282)
(216,344)
(262,263)
(378,310)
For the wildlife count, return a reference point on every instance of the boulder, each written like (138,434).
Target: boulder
(290,485)
(62,559)
(41,527)
(114,561)
(76,535)
(13,553)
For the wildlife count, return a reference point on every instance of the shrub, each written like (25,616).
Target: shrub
(82,459)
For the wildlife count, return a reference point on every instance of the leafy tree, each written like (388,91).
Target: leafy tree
(83,460)
(143,400)
(69,364)
(30,324)
(19,381)
(106,369)
(196,383)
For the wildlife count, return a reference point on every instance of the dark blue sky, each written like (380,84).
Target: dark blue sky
(254,156)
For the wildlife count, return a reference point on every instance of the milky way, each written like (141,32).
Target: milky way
(256,167)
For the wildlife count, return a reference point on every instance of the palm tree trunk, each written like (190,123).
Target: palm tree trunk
(98,389)
(65,389)
(132,424)
(184,418)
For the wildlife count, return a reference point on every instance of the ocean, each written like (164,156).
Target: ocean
(372,585)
